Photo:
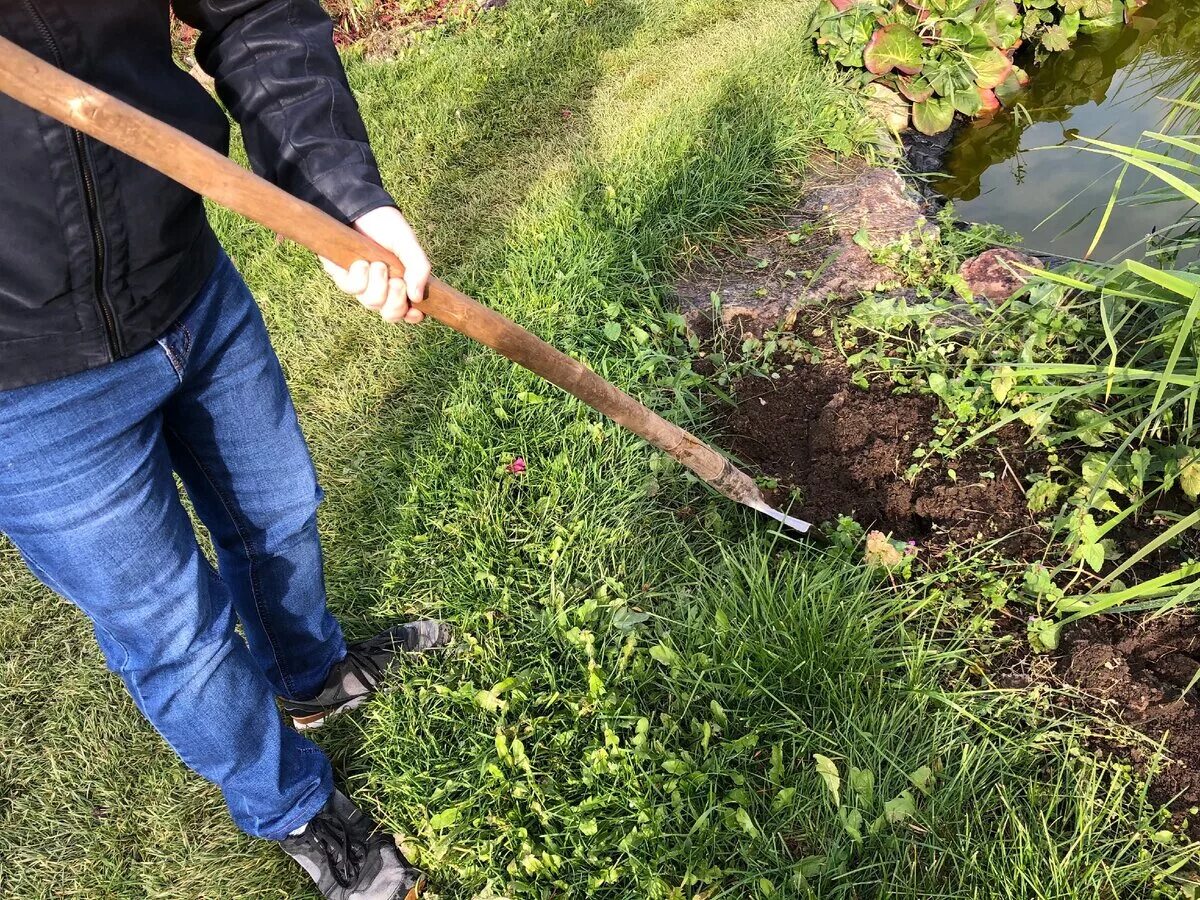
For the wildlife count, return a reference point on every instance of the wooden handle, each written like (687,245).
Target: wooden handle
(61,96)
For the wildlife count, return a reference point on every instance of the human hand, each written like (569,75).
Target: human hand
(393,298)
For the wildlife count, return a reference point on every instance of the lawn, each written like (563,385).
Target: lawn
(658,695)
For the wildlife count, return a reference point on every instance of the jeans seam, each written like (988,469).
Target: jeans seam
(176,363)
(254,587)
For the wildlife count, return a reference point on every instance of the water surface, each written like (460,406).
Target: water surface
(1108,85)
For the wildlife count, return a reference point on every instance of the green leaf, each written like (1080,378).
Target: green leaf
(777,770)
(894,46)
(718,713)
(828,771)
(852,821)
(1189,476)
(1090,9)
(901,808)
(916,88)
(626,619)
(1000,21)
(933,116)
(922,780)
(1003,382)
(862,783)
(1055,39)
(784,798)
(1043,634)
(1070,26)
(444,819)
(663,654)
(746,823)
(991,68)
(612,330)
(1093,555)
(1098,474)
(968,102)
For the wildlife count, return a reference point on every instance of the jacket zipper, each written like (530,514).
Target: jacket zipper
(90,197)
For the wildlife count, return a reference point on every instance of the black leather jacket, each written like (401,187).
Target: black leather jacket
(99,253)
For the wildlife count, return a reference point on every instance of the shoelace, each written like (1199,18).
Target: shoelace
(345,853)
(361,660)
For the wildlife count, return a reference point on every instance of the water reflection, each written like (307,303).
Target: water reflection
(1108,85)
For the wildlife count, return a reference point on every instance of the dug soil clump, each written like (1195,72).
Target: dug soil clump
(837,449)
(1143,672)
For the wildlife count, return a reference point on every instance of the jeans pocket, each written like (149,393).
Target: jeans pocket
(176,343)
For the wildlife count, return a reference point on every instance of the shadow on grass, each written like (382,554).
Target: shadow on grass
(515,127)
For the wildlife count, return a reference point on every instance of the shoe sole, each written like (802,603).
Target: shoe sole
(316,720)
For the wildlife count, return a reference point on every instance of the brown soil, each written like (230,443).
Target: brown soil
(840,450)
(1141,668)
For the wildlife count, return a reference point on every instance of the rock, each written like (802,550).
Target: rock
(995,274)
(869,199)
(769,280)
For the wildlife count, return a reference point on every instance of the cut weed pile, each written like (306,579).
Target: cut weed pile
(645,705)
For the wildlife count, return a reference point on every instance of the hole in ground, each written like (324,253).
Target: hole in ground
(837,449)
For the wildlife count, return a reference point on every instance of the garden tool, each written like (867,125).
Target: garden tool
(50,91)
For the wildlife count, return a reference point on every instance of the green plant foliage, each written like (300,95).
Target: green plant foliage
(950,56)
(1101,364)
(894,46)
(933,115)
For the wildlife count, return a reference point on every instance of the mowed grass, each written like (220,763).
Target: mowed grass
(646,672)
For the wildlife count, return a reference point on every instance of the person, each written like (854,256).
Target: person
(130,349)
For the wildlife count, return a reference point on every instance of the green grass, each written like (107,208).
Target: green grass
(641,693)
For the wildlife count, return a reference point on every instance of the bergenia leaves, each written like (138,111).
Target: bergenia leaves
(949,56)
(991,68)
(933,116)
(894,47)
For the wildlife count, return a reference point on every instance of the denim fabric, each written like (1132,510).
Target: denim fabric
(88,497)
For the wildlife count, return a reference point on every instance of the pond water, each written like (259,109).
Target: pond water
(1109,85)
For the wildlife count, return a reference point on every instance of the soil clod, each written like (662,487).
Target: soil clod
(1143,670)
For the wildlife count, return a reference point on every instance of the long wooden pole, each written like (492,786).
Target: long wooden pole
(77,104)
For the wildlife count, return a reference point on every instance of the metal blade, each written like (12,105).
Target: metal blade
(798,524)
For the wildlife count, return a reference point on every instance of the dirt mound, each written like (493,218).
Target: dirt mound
(839,449)
(1142,669)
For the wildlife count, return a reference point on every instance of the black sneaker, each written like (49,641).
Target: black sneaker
(350,859)
(358,676)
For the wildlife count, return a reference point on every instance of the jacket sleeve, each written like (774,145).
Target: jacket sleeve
(277,70)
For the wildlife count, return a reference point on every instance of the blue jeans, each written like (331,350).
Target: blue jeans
(88,497)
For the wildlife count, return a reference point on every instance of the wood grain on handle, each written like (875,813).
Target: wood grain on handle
(61,96)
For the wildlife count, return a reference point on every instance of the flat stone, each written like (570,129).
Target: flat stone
(767,280)
(996,275)
(869,199)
